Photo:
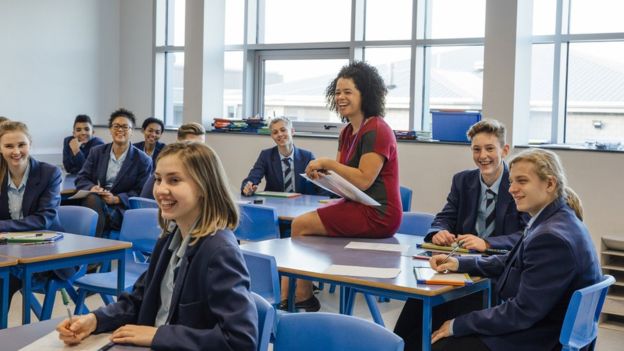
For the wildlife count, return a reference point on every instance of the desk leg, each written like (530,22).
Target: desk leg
(26,293)
(121,273)
(426,324)
(292,286)
(5,299)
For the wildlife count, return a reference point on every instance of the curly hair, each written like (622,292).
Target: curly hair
(370,84)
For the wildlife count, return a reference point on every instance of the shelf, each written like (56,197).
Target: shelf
(613,253)
(615,296)
(612,322)
(613,268)
(615,307)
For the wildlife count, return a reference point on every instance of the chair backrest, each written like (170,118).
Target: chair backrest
(264,276)
(78,220)
(416,223)
(406,198)
(141,202)
(330,331)
(256,223)
(140,226)
(580,325)
(266,317)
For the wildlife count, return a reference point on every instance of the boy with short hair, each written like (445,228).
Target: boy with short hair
(480,213)
(77,146)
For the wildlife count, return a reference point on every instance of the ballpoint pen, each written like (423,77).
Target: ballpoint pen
(66,303)
(457,247)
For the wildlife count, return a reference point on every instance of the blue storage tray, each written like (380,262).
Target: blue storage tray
(452,126)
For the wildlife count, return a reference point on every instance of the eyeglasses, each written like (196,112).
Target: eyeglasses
(123,127)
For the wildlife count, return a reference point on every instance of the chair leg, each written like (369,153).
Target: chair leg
(374,309)
(332,288)
(349,300)
(48,301)
(80,306)
(35,306)
(107,299)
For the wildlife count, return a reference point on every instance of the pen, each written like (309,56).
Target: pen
(66,303)
(457,247)
(107,346)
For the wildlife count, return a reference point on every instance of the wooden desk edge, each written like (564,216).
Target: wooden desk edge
(373,284)
(121,245)
(10,261)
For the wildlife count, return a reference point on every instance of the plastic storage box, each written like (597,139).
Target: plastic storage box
(452,125)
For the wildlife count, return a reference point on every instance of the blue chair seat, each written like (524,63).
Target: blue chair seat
(141,202)
(108,280)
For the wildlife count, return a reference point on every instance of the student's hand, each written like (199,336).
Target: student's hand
(74,145)
(109,198)
(249,189)
(140,335)
(315,168)
(97,189)
(440,263)
(444,238)
(472,242)
(443,332)
(80,328)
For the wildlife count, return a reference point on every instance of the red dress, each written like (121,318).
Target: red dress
(353,219)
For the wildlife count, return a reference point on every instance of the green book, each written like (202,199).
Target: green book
(276,194)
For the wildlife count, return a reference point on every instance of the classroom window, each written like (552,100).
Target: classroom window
(577,75)
(169,61)
(233,84)
(286,66)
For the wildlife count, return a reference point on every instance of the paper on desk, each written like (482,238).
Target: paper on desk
(51,342)
(80,194)
(336,184)
(359,271)
(361,245)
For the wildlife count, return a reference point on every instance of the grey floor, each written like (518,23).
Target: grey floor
(608,340)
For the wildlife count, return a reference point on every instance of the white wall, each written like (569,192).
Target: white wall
(59,59)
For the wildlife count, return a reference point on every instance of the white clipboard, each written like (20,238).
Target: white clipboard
(336,184)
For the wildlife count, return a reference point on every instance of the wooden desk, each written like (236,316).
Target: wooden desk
(72,250)
(289,208)
(309,257)
(5,265)
(19,337)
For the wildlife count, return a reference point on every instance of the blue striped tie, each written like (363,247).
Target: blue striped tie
(289,184)
(490,213)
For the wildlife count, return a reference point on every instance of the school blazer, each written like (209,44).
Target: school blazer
(269,166)
(211,306)
(535,282)
(73,163)
(132,175)
(40,203)
(157,149)
(459,215)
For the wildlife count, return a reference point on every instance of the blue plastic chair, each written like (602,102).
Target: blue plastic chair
(580,325)
(140,226)
(406,198)
(141,202)
(264,276)
(75,220)
(328,332)
(266,318)
(416,223)
(257,223)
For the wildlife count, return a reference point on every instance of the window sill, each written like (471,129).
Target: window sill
(566,147)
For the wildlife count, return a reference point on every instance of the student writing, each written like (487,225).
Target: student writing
(195,294)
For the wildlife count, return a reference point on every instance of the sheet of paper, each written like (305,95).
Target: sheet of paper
(51,342)
(336,184)
(80,194)
(359,271)
(361,245)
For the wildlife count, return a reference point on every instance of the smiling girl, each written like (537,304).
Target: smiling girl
(195,293)
(536,279)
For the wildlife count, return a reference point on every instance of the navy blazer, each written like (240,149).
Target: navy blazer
(40,203)
(157,149)
(535,282)
(459,215)
(269,166)
(148,188)
(211,306)
(73,163)
(132,175)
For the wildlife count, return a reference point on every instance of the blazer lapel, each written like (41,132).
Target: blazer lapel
(32,185)
(474,191)
(276,163)
(180,277)
(125,166)
(103,165)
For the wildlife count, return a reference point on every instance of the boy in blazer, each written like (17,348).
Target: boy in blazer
(272,164)
(480,213)
(76,147)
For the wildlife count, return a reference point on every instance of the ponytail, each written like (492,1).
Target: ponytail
(574,202)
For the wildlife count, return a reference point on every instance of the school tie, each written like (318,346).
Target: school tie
(490,213)
(289,184)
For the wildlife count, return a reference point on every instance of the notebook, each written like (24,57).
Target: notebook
(429,276)
(30,237)
(276,194)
